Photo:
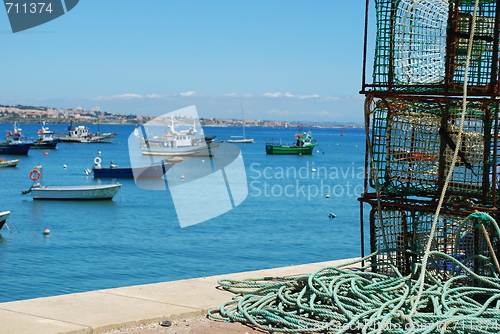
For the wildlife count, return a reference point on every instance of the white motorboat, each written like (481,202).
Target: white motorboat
(8,163)
(89,192)
(3,217)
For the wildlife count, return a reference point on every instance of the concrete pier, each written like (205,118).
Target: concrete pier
(101,310)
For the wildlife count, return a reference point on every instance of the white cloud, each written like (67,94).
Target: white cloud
(290,95)
(156,96)
(273,94)
(119,97)
(186,94)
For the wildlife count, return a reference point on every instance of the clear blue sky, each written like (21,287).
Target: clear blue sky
(282,60)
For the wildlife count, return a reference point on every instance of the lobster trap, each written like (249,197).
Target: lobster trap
(400,230)
(412,143)
(421,47)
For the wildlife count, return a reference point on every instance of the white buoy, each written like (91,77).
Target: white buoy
(46,231)
(202,160)
(64,166)
(182,177)
(327,196)
(313,170)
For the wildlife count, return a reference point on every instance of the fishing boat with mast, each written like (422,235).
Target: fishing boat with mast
(45,139)
(303,145)
(81,134)
(15,143)
(177,143)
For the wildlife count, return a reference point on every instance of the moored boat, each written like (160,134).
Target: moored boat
(153,171)
(3,217)
(86,192)
(304,145)
(179,143)
(8,163)
(15,143)
(45,139)
(81,134)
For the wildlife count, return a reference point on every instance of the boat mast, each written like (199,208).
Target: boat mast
(243,120)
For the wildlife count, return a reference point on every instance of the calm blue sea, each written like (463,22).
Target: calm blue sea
(136,237)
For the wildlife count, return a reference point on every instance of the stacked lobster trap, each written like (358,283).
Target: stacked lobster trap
(431,95)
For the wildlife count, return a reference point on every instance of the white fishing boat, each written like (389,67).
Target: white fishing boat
(178,143)
(81,134)
(87,192)
(8,163)
(3,217)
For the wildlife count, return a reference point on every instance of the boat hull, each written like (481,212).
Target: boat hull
(93,192)
(242,141)
(42,145)
(9,163)
(207,150)
(139,172)
(15,149)
(289,150)
(3,217)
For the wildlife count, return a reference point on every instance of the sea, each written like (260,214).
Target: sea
(136,238)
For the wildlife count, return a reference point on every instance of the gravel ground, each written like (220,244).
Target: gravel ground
(198,325)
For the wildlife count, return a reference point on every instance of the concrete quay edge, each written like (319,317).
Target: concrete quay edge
(102,310)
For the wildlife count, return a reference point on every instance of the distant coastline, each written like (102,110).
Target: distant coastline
(31,114)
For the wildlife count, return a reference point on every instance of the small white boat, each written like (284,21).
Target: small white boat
(8,163)
(96,191)
(243,140)
(3,217)
(91,192)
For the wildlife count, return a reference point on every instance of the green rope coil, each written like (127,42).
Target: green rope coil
(339,300)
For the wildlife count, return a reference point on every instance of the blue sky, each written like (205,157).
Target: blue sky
(280,60)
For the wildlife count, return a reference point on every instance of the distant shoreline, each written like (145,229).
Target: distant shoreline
(21,120)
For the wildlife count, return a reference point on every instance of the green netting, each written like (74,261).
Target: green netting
(422,45)
(412,144)
(399,236)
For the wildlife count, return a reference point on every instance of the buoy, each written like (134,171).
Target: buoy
(46,153)
(332,215)
(202,160)
(327,196)
(182,177)
(313,170)
(46,231)
(64,166)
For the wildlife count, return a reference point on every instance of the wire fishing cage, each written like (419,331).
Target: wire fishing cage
(412,142)
(399,232)
(421,47)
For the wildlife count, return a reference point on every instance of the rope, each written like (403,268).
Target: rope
(453,162)
(339,300)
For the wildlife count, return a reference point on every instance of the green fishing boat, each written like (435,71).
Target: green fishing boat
(303,145)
